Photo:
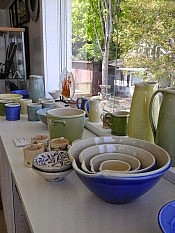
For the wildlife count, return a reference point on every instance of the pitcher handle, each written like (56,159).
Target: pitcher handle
(151,117)
(86,107)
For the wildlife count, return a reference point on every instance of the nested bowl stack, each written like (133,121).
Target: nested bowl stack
(52,165)
(120,187)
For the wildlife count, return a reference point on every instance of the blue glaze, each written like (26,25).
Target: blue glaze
(166,217)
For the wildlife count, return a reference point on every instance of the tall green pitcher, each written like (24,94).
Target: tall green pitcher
(164,130)
(138,122)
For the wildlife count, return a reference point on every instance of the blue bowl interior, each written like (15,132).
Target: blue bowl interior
(42,114)
(24,93)
(166,217)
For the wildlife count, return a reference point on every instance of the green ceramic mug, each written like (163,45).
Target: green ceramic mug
(119,123)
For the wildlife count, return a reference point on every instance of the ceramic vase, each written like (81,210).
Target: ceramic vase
(138,123)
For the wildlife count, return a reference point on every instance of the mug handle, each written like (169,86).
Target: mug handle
(77,103)
(151,117)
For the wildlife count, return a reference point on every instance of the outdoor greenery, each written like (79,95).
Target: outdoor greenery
(141,32)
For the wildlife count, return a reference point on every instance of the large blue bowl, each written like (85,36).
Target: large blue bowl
(118,190)
(122,188)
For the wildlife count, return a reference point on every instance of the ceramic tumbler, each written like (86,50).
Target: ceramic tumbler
(12,111)
(119,123)
(48,104)
(2,106)
(32,109)
(23,103)
(41,138)
(59,144)
(30,152)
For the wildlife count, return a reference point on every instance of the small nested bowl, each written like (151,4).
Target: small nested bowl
(97,161)
(115,166)
(52,161)
(42,115)
(146,159)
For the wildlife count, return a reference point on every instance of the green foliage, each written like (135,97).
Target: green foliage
(146,34)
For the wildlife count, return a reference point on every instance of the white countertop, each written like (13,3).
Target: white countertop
(68,206)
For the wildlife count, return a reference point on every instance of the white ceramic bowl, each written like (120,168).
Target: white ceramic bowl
(55,93)
(8,96)
(114,166)
(97,160)
(52,176)
(162,162)
(146,159)
(52,161)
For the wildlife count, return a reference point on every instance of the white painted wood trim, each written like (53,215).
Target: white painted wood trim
(56,23)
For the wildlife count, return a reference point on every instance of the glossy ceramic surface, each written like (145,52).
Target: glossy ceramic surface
(13,97)
(166,217)
(165,128)
(36,87)
(67,123)
(118,189)
(53,177)
(52,161)
(115,166)
(55,94)
(24,93)
(162,161)
(97,161)
(139,123)
(95,110)
(12,111)
(92,154)
(121,188)
(42,115)
(119,123)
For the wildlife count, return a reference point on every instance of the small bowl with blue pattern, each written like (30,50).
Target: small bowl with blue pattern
(52,161)
(52,176)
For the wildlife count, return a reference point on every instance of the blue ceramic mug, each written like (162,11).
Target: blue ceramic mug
(81,102)
(12,111)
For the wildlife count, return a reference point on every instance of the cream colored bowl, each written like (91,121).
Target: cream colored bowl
(98,160)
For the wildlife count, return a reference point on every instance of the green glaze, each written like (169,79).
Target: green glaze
(2,106)
(164,130)
(119,123)
(139,124)
(69,127)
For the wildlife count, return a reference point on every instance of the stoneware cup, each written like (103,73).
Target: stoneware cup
(12,111)
(32,109)
(23,103)
(41,138)
(2,106)
(59,144)
(48,104)
(119,123)
(30,152)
